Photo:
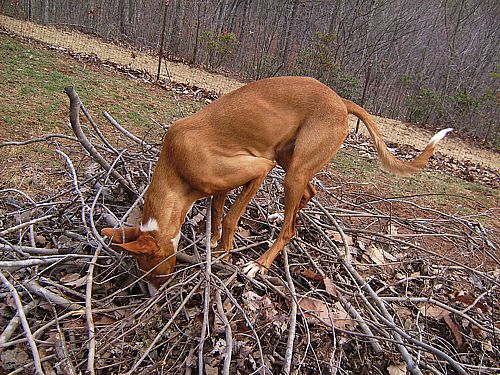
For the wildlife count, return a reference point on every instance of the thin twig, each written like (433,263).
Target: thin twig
(14,322)
(208,280)
(75,105)
(35,140)
(410,363)
(165,327)
(24,323)
(88,311)
(34,287)
(24,225)
(293,316)
(137,140)
(229,334)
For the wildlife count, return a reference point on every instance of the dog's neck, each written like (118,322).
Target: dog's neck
(165,207)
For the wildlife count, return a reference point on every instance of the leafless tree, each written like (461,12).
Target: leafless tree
(433,61)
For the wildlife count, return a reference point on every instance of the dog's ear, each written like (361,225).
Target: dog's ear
(143,245)
(121,235)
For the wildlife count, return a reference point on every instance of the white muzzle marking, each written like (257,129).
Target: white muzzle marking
(150,226)
(175,241)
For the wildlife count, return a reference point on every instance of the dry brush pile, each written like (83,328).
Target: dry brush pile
(361,288)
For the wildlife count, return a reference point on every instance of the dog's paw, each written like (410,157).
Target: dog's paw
(277,217)
(222,255)
(214,243)
(253,268)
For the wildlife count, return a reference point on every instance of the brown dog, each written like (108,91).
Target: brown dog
(235,141)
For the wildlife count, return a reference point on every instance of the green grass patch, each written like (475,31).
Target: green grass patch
(431,189)
(33,102)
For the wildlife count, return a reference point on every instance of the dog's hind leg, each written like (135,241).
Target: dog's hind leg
(216,222)
(316,144)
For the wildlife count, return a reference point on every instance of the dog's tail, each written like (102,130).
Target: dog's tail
(388,160)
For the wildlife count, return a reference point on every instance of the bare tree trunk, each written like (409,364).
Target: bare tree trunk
(123,14)
(162,37)
(221,17)
(197,32)
(173,35)
(367,35)
(45,18)
(243,32)
(232,15)
(30,10)
(287,31)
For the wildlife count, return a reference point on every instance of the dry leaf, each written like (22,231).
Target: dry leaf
(341,318)
(403,312)
(40,240)
(277,217)
(196,219)
(397,369)
(209,370)
(438,313)
(103,320)
(318,312)
(362,244)
(311,275)
(73,279)
(74,325)
(13,359)
(260,306)
(337,237)
(454,329)
(244,232)
(379,256)
(315,310)
(330,287)
(487,346)
(467,299)
(252,300)
(432,311)
(135,216)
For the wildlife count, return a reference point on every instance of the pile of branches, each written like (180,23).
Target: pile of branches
(362,289)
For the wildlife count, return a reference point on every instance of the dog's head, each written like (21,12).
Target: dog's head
(153,256)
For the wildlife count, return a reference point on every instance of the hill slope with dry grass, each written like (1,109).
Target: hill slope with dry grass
(394,131)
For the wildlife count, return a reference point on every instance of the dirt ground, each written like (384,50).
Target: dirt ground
(393,130)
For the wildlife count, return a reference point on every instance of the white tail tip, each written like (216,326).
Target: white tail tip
(439,135)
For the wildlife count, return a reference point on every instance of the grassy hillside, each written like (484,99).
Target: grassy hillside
(32,103)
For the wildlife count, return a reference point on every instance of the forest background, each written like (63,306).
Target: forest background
(432,62)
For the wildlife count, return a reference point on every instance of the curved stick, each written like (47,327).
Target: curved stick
(75,105)
(208,274)
(128,134)
(88,312)
(410,363)
(293,316)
